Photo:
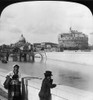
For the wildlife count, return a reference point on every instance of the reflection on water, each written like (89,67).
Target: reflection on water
(62,74)
(73,79)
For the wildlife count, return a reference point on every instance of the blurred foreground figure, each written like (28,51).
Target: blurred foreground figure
(13,84)
(47,84)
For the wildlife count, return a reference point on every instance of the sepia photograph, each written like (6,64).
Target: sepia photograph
(46,50)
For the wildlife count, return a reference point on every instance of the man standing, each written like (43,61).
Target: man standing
(47,84)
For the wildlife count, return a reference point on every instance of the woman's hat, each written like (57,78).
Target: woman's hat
(16,66)
(48,73)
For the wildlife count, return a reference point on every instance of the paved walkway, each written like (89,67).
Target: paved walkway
(2,98)
(3,92)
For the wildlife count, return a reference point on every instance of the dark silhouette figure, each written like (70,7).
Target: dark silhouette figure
(47,84)
(7,56)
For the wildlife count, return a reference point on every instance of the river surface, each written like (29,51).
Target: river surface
(64,73)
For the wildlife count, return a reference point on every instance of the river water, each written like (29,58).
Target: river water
(64,73)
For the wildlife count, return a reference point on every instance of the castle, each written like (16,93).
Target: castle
(73,40)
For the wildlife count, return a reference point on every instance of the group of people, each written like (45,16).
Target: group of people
(14,87)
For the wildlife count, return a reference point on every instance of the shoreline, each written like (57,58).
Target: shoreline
(61,91)
(73,57)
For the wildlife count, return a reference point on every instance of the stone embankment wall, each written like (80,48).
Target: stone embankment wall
(32,87)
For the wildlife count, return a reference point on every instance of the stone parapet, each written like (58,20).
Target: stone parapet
(61,92)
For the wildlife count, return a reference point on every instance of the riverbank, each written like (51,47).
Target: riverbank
(57,59)
(72,56)
(61,92)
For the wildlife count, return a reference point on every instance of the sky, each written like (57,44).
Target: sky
(43,21)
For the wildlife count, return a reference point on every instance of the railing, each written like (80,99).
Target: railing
(30,91)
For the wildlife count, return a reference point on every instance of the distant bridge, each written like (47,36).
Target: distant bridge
(23,56)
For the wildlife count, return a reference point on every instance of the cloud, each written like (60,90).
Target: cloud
(15,31)
(44,19)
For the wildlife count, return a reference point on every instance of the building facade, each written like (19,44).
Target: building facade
(73,40)
(49,46)
(46,46)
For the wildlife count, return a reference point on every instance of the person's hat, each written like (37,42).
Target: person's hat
(16,66)
(48,73)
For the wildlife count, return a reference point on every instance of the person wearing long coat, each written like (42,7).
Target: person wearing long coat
(47,84)
(12,75)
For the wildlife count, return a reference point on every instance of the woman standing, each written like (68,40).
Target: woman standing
(14,88)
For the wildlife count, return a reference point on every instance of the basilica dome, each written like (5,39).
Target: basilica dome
(22,43)
(22,39)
